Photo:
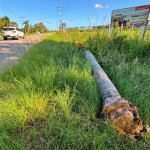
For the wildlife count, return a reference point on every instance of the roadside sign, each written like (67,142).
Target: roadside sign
(133,15)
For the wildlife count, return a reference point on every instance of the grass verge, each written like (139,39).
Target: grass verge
(49,100)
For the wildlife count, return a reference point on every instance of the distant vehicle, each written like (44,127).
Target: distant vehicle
(12,32)
(37,32)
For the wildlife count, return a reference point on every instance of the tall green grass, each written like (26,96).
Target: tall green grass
(49,100)
(126,61)
(49,90)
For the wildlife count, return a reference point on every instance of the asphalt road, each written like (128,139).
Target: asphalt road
(10,49)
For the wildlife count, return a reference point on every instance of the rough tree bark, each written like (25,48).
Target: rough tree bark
(121,113)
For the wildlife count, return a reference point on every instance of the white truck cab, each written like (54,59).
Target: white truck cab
(12,32)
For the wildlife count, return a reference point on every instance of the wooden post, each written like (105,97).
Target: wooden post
(121,27)
(145,31)
(131,30)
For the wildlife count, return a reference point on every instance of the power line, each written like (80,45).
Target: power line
(24,17)
(44,18)
(9,12)
(69,8)
(61,2)
(64,3)
(9,9)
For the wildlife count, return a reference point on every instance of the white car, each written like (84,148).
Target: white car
(37,32)
(12,32)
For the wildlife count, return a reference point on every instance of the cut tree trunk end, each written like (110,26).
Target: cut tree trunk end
(122,114)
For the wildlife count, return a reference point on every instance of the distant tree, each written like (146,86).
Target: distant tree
(106,26)
(13,24)
(63,25)
(94,27)
(26,26)
(42,28)
(76,28)
(6,21)
(36,28)
(2,24)
(31,28)
(82,27)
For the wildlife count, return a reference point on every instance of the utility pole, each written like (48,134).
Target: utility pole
(89,22)
(97,20)
(60,22)
(22,18)
(23,22)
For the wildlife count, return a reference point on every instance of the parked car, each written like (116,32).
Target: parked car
(12,32)
(37,32)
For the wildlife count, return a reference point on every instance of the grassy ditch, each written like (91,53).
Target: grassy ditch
(49,100)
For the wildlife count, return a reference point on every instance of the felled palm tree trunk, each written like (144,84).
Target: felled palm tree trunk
(121,113)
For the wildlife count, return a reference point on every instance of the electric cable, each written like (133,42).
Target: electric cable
(69,7)
(9,12)
(44,18)
(66,7)
(64,3)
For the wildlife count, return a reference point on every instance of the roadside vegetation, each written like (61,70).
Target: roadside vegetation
(49,100)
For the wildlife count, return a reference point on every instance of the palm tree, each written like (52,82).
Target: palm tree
(26,25)
(63,25)
(36,27)
(121,113)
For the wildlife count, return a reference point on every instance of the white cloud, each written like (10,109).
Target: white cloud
(100,6)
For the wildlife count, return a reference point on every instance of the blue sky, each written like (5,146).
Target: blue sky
(75,12)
